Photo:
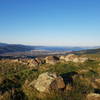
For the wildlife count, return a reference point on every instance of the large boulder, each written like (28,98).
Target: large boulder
(48,81)
(93,96)
(51,59)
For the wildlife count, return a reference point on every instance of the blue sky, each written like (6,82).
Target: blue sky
(50,22)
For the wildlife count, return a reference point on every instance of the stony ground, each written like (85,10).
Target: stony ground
(69,77)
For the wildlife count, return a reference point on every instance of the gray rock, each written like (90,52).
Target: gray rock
(48,81)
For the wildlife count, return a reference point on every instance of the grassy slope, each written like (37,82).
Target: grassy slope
(20,73)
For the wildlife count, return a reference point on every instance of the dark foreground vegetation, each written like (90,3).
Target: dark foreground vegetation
(80,80)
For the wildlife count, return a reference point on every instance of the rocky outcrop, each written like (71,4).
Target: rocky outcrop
(32,63)
(48,81)
(51,60)
(93,96)
(74,58)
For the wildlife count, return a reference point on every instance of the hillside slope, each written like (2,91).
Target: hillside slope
(10,48)
(14,48)
(90,51)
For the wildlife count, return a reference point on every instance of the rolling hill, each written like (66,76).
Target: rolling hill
(10,48)
(15,49)
(90,51)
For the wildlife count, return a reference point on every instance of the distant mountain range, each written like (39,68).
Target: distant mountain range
(11,48)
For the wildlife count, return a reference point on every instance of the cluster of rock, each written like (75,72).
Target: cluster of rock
(71,57)
(31,63)
(74,58)
(35,62)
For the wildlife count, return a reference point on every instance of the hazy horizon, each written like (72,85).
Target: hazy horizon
(53,45)
(50,22)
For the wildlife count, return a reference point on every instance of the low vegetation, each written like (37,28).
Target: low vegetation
(80,80)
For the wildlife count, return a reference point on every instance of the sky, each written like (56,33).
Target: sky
(50,22)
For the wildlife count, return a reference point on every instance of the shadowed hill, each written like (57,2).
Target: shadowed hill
(14,48)
(90,51)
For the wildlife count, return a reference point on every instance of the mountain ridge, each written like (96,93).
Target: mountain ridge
(11,48)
